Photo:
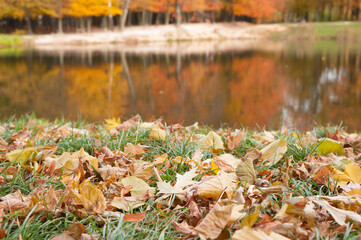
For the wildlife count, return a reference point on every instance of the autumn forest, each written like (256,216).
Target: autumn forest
(47,16)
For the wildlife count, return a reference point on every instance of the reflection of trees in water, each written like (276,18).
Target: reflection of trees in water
(324,86)
(246,88)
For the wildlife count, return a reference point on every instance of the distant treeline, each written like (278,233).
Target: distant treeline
(46,16)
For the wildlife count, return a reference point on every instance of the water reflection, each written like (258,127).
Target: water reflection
(293,85)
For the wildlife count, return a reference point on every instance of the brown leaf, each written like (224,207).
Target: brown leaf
(215,221)
(215,186)
(132,150)
(247,233)
(14,201)
(136,217)
(3,145)
(75,231)
(3,233)
(235,140)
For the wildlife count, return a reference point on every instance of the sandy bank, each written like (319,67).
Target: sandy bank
(164,33)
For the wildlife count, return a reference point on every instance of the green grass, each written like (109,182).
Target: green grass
(10,40)
(45,224)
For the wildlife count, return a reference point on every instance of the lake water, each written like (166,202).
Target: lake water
(272,84)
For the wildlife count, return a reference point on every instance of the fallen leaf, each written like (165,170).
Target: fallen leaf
(248,233)
(215,221)
(160,159)
(215,186)
(339,215)
(212,142)
(227,162)
(140,187)
(14,201)
(136,217)
(91,198)
(141,169)
(273,152)
(245,170)
(75,231)
(3,145)
(352,173)
(108,172)
(112,123)
(331,146)
(157,133)
(182,181)
(132,150)
(126,203)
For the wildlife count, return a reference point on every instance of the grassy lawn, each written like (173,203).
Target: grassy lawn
(322,31)
(136,180)
(10,40)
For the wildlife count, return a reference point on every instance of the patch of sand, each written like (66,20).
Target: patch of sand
(163,33)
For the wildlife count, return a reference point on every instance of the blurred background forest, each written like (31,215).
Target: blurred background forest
(49,16)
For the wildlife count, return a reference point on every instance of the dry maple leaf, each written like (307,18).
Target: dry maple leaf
(90,197)
(273,152)
(139,186)
(75,231)
(212,142)
(216,185)
(157,133)
(178,188)
(248,233)
(3,145)
(234,140)
(132,150)
(215,221)
(14,201)
(226,162)
(245,170)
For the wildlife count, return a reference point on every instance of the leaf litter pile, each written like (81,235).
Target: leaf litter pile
(135,179)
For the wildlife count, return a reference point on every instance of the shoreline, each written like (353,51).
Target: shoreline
(160,34)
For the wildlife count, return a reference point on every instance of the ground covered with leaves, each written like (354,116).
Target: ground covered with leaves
(135,180)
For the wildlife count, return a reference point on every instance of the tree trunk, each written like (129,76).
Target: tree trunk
(28,20)
(60,25)
(144,16)
(178,13)
(124,16)
(89,24)
(166,17)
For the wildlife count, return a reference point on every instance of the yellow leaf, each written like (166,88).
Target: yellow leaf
(249,220)
(331,146)
(21,155)
(212,142)
(352,173)
(112,123)
(273,152)
(214,166)
(91,198)
(139,187)
(245,170)
(157,133)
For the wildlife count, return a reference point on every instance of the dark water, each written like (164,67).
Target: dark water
(297,84)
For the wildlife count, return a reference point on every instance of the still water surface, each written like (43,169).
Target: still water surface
(289,84)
